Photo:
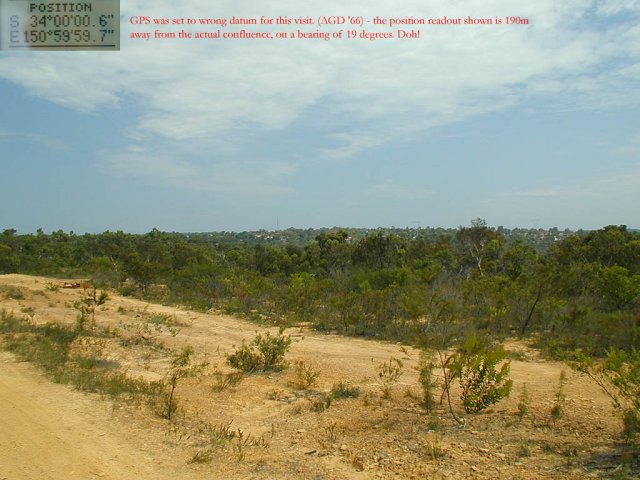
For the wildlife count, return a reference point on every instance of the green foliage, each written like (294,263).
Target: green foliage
(264,353)
(272,350)
(378,251)
(618,287)
(479,247)
(8,259)
(426,378)
(570,290)
(475,366)
(71,357)
(619,377)
(245,358)
(303,294)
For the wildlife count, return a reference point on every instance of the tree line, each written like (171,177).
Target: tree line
(580,292)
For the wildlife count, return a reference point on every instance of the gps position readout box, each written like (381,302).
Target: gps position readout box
(59,25)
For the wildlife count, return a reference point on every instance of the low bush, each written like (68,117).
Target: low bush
(427,381)
(264,353)
(306,375)
(475,365)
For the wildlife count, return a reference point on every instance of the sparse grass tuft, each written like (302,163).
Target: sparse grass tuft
(344,390)
(182,366)
(71,357)
(434,448)
(321,403)
(524,451)
(219,434)
(247,440)
(331,430)
(524,402)
(12,293)
(388,374)
(202,456)
(306,375)
(557,411)
(222,381)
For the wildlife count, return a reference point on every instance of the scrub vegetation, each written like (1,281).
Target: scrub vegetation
(453,298)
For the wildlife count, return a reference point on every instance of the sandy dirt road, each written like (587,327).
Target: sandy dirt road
(50,432)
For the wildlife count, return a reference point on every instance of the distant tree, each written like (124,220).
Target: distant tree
(380,251)
(330,253)
(478,245)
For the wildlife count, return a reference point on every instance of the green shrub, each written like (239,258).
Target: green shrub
(245,358)
(557,411)
(265,353)
(482,385)
(273,350)
(427,382)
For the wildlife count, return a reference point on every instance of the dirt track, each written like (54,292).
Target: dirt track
(50,432)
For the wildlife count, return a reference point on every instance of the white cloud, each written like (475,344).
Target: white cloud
(194,95)
(197,88)
(236,179)
(612,7)
(138,161)
(51,143)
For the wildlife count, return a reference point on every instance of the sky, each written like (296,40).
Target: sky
(533,125)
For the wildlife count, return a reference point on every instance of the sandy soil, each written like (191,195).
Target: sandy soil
(52,432)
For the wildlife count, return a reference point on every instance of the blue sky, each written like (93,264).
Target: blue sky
(524,126)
